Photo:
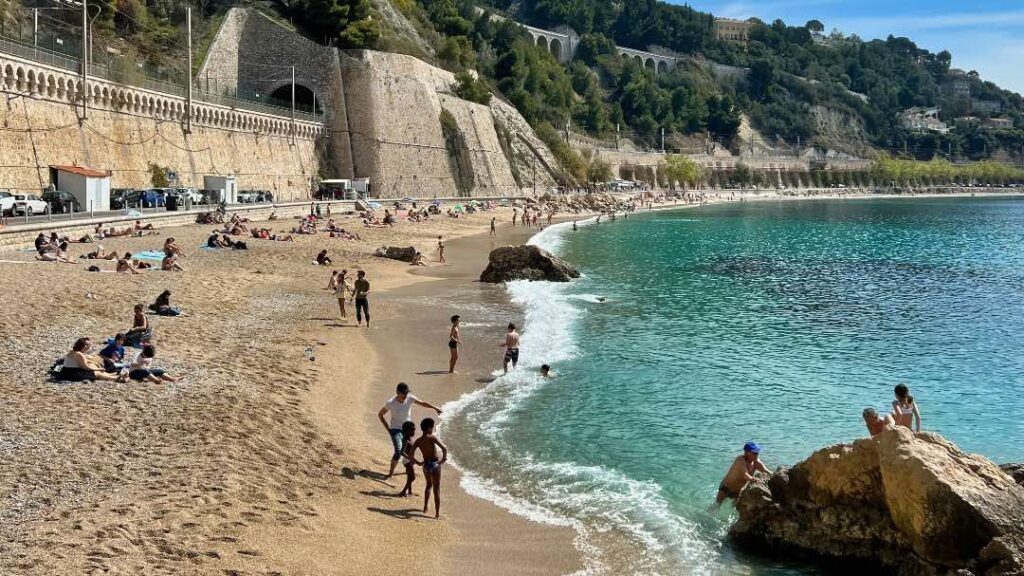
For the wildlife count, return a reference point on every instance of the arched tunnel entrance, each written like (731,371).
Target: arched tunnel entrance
(305,99)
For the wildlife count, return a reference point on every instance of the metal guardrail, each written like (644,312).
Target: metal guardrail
(140,80)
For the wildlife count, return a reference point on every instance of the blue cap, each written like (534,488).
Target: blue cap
(752,447)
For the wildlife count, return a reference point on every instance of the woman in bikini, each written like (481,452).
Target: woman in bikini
(904,409)
(454,341)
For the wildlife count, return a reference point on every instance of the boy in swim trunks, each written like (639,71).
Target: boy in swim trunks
(511,346)
(408,432)
(428,444)
(740,473)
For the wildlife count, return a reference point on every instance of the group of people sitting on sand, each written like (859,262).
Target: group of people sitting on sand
(219,240)
(112,362)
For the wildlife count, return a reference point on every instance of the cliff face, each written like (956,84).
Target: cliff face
(913,504)
(395,105)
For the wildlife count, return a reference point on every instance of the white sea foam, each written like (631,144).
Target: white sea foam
(599,503)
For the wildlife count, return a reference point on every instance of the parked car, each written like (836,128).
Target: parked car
(264,196)
(61,202)
(191,193)
(153,197)
(6,203)
(121,198)
(246,196)
(29,204)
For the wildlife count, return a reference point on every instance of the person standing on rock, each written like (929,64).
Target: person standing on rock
(877,424)
(400,408)
(511,346)
(740,473)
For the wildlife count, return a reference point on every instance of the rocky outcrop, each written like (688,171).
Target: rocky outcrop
(526,263)
(1016,471)
(407,254)
(912,504)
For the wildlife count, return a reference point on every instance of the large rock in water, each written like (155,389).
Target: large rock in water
(526,263)
(912,504)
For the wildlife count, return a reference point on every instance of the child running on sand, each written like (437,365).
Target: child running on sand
(408,457)
(428,444)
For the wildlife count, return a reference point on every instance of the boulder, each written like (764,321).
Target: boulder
(908,503)
(1016,471)
(407,254)
(526,263)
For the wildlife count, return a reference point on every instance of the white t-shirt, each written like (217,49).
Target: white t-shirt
(401,412)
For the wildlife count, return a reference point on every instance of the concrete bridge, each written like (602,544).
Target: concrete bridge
(562,43)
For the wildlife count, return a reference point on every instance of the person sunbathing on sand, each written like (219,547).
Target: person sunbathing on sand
(417,260)
(78,365)
(171,248)
(58,255)
(273,216)
(100,254)
(138,227)
(125,264)
(740,473)
(214,241)
(170,264)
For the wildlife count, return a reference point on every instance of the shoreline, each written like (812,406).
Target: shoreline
(260,459)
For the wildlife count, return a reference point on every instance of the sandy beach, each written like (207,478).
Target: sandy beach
(260,460)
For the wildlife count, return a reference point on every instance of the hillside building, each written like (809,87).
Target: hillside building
(923,120)
(733,30)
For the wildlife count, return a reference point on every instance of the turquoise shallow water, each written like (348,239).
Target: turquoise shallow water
(777,322)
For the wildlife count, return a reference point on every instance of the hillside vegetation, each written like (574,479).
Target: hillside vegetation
(796,85)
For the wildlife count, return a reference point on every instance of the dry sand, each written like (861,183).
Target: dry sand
(259,461)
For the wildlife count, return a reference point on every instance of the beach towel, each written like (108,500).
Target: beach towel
(149,255)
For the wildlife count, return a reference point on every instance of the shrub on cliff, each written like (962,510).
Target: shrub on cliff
(468,87)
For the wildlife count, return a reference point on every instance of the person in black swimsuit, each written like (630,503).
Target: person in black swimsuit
(454,341)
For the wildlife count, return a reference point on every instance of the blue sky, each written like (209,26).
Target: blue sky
(987,37)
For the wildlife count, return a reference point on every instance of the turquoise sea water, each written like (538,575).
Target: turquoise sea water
(777,322)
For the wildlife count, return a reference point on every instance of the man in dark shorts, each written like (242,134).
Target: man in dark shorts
(741,472)
(511,346)
(359,291)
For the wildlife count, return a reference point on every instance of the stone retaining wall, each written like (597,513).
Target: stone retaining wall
(125,128)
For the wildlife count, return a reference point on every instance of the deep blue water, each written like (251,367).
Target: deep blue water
(777,322)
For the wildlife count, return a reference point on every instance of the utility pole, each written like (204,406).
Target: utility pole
(188,72)
(85,48)
(616,135)
(293,103)
(663,140)
(35,27)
